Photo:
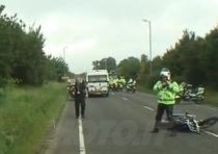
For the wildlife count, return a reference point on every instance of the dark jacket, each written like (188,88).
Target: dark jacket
(80,91)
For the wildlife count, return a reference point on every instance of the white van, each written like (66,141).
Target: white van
(97,82)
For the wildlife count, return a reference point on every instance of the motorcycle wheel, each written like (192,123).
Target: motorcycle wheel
(198,101)
(208,122)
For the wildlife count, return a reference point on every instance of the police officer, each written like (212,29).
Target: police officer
(80,95)
(166,90)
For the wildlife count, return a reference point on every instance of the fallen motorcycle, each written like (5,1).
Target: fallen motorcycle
(188,123)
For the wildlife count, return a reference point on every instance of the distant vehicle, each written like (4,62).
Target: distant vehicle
(131,88)
(98,82)
(64,78)
(70,87)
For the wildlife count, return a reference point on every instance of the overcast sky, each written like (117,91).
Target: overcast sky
(90,30)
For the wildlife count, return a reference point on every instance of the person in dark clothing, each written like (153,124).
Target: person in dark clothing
(80,95)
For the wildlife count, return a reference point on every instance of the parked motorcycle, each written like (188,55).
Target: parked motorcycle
(190,93)
(117,87)
(71,90)
(130,88)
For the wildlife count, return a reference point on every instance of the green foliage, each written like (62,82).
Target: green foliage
(25,114)
(56,68)
(22,56)
(144,69)
(211,57)
(129,67)
(211,96)
(193,59)
(105,63)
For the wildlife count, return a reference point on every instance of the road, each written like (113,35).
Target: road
(121,124)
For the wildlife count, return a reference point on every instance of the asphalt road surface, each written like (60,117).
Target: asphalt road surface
(121,124)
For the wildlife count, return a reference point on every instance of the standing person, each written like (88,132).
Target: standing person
(166,90)
(80,94)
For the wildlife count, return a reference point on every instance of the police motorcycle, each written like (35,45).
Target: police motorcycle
(71,88)
(117,85)
(113,87)
(188,123)
(131,86)
(190,93)
(121,83)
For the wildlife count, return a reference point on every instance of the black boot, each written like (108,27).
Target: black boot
(156,127)
(155,130)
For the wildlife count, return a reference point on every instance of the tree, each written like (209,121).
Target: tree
(129,67)
(144,68)
(105,63)
(111,64)
(211,57)
(96,64)
(21,53)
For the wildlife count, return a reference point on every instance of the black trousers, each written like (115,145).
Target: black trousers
(80,106)
(160,111)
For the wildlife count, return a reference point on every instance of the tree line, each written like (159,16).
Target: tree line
(192,59)
(22,58)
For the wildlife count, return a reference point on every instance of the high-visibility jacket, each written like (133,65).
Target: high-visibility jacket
(110,82)
(115,82)
(166,95)
(123,81)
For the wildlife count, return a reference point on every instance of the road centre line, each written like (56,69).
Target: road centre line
(148,108)
(125,99)
(82,149)
(211,133)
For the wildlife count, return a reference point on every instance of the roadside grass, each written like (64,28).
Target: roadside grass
(211,97)
(25,115)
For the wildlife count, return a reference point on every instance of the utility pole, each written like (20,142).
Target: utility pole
(64,51)
(150,42)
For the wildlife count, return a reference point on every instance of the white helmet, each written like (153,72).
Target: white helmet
(130,80)
(165,72)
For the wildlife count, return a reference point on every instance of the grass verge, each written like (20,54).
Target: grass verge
(212,97)
(25,114)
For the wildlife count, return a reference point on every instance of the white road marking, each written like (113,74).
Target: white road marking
(54,124)
(211,133)
(125,99)
(213,108)
(164,121)
(82,149)
(149,108)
